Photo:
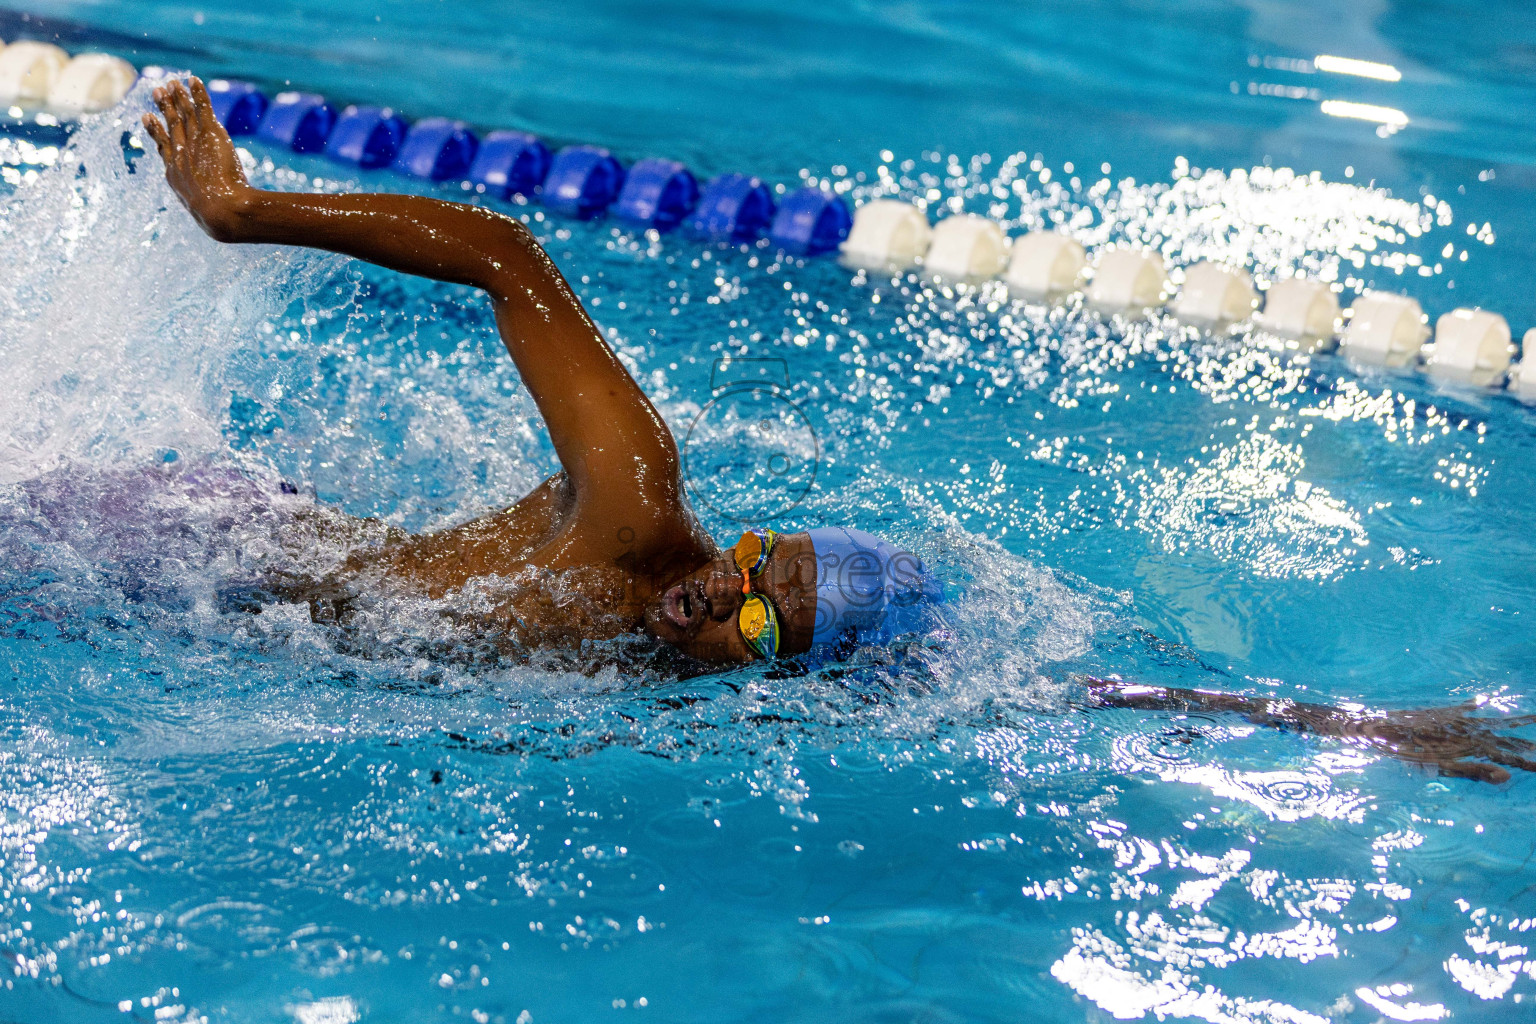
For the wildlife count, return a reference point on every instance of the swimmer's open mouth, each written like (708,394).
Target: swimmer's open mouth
(685,604)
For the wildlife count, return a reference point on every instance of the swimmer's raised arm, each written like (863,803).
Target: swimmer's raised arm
(605,431)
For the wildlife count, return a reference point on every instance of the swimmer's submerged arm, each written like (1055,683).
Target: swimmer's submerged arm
(605,431)
(1452,739)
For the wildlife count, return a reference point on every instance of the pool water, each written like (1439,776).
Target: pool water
(213,815)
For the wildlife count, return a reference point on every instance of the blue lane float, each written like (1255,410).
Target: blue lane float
(366,136)
(239,106)
(510,163)
(302,121)
(810,221)
(583,181)
(658,193)
(437,148)
(578,181)
(733,206)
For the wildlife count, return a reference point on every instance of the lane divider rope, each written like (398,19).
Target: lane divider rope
(1467,345)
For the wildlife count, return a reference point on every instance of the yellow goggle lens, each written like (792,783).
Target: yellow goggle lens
(747,551)
(752,550)
(753,618)
(759,627)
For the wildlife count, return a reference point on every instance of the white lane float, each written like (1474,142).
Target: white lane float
(90,83)
(1522,376)
(1213,294)
(27,71)
(1385,328)
(1128,279)
(967,246)
(887,233)
(1045,263)
(1470,345)
(1301,309)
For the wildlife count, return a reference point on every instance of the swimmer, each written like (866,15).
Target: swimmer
(614,526)
(610,544)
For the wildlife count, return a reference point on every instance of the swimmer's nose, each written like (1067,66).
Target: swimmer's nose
(724,593)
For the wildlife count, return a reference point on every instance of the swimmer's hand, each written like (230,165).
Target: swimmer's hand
(200,161)
(1453,741)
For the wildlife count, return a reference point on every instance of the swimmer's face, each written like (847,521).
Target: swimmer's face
(697,614)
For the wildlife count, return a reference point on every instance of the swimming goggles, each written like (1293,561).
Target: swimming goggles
(758,620)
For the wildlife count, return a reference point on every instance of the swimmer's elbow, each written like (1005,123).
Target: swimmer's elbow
(514,262)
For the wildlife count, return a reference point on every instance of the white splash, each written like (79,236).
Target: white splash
(116,313)
(332,1010)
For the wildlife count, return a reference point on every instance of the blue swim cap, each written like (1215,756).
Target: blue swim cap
(867,586)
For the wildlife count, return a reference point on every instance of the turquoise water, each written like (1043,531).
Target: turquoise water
(214,815)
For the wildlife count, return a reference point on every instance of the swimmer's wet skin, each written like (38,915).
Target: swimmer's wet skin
(615,524)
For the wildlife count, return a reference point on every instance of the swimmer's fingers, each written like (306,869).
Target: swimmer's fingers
(173,126)
(156,131)
(204,107)
(162,98)
(1510,759)
(183,100)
